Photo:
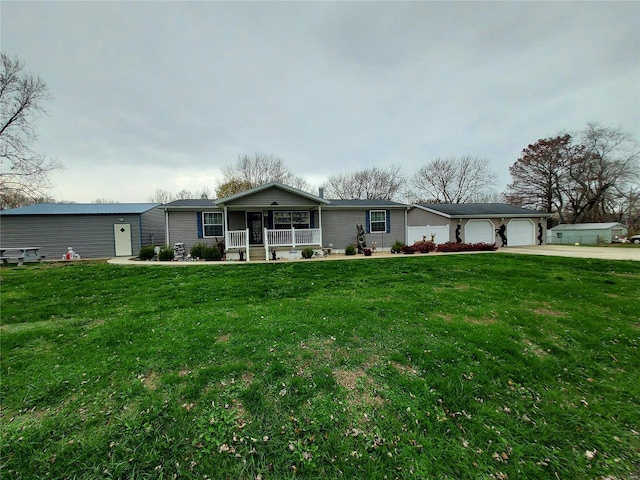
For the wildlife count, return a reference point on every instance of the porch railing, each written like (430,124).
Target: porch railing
(237,239)
(293,237)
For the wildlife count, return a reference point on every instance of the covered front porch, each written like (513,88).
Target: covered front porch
(272,240)
(271,218)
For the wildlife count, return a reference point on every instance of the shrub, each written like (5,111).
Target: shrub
(350,250)
(466,247)
(147,253)
(166,253)
(397,247)
(197,250)
(367,252)
(423,246)
(407,250)
(307,253)
(211,254)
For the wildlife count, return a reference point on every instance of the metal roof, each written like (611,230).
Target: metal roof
(81,209)
(472,210)
(359,203)
(588,226)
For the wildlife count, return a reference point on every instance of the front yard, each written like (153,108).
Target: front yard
(470,366)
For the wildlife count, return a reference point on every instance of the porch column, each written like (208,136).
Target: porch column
(293,237)
(226,230)
(266,244)
(320,224)
(247,243)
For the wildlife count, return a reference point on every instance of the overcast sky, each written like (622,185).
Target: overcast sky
(151,95)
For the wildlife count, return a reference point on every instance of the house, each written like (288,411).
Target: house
(498,223)
(586,233)
(275,220)
(93,230)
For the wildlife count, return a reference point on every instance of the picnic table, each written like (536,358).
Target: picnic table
(20,254)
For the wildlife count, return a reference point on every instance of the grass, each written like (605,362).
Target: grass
(466,366)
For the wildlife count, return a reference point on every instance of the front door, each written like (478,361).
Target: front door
(254,221)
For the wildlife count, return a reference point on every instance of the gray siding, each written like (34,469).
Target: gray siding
(183,227)
(270,195)
(339,228)
(91,236)
(153,228)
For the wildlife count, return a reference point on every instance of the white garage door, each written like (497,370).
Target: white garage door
(415,234)
(479,231)
(521,231)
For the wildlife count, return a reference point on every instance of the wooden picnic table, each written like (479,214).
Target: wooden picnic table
(20,254)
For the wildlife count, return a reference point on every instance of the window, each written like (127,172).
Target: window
(287,220)
(378,221)
(212,224)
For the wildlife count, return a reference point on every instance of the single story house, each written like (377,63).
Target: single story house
(275,220)
(92,230)
(498,223)
(586,233)
(269,221)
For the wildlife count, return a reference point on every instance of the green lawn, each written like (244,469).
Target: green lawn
(422,366)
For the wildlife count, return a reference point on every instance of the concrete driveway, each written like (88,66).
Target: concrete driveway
(605,253)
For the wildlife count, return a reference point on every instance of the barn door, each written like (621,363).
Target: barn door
(122,236)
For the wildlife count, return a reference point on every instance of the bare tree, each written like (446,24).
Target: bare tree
(453,179)
(372,183)
(601,174)
(22,170)
(161,196)
(581,178)
(257,169)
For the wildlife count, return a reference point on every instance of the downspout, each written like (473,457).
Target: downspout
(166,226)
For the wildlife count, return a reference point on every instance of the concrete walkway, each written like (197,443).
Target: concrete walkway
(604,253)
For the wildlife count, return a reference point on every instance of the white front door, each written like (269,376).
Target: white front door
(122,236)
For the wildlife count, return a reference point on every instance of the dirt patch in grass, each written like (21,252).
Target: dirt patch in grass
(404,369)
(479,321)
(350,380)
(150,380)
(223,338)
(534,348)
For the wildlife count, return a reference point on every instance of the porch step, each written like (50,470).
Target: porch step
(257,253)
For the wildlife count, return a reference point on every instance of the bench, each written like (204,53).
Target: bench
(20,255)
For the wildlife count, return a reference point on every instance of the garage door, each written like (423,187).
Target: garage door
(415,234)
(521,231)
(479,231)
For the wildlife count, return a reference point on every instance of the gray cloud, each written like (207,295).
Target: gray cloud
(167,93)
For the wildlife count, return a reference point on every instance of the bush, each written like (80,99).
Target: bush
(350,250)
(423,246)
(307,253)
(211,254)
(466,247)
(166,253)
(197,250)
(397,247)
(407,250)
(147,253)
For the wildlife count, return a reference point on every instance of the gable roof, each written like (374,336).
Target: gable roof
(359,203)
(266,186)
(479,210)
(588,226)
(81,209)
